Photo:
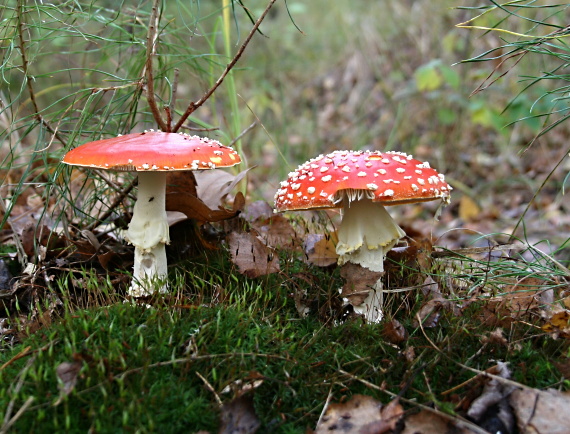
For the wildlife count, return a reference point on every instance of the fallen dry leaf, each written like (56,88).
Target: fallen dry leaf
(359,281)
(361,414)
(257,210)
(496,337)
(276,231)
(40,241)
(394,332)
(213,186)
(238,417)
(67,373)
(429,313)
(541,411)
(320,249)
(174,217)
(563,367)
(252,257)
(409,354)
(490,409)
(181,181)
(558,325)
(468,209)
(182,196)
(518,299)
(427,422)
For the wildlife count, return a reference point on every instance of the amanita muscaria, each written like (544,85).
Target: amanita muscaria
(152,154)
(362,183)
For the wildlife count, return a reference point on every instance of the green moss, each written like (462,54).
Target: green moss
(163,368)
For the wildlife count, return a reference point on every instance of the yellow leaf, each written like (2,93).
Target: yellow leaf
(468,209)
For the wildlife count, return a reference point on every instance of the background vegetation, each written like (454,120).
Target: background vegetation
(314,78)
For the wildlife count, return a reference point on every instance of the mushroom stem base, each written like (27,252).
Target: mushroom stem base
(150,272)
(371,307)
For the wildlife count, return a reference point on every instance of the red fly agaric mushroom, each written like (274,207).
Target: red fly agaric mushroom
(152,155)
(362,182)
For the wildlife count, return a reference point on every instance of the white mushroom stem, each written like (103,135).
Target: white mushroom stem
(366,234)
(371,307)
(148,232)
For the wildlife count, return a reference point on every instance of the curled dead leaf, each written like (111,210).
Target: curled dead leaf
(361,414)
(67,373)
(394,332)
(320,249)
(213,186)
(541,411)
(238,416)
(252,257)
(429,422)
(559,324)
(276,231)
(359,281)
(181,196)
(429,314)
(490,409)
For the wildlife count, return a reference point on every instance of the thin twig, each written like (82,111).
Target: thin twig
(326,406)
(8,420)
(25,63)
(172,105)
(199,129)
(122,194)
(460,422)
(151,41)
(20,412)
(243,133)
(25,352)
(194,105)
(168,116)
(211,389)
(484,86)
(125,374)
(469,368)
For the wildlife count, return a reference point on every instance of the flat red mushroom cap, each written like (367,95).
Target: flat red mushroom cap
(390,178)
(153,151)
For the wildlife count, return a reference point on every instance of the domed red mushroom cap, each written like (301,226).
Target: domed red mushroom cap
(153,151)
(391,178)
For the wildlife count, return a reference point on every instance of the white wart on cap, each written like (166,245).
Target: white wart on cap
(391,178)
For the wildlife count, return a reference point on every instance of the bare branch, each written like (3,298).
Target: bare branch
(243,133)
(199,129)
(194,105)
(151,41)
(112,206)
(27,76)
(172,105)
